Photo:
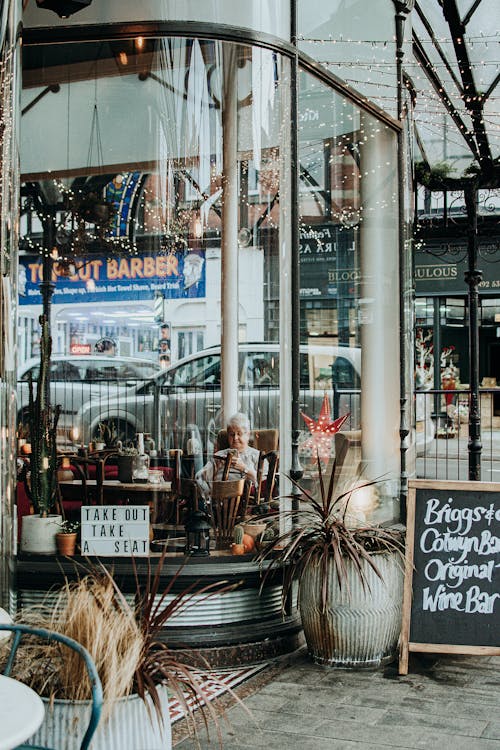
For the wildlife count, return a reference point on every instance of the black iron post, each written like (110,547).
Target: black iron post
(402,10)
(473,277)
(47,286)
(296,468)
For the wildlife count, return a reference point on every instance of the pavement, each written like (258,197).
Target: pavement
(444,702)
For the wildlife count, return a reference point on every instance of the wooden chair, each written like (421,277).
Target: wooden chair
(263,440)
(85,468)
(264,491)
(228,504)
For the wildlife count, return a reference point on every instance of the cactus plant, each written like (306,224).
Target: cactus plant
(43,419)
(238,534)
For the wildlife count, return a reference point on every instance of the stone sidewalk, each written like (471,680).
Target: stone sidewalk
(444,702)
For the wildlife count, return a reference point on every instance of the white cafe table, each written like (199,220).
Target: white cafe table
(21,712)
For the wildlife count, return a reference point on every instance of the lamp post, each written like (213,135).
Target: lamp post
(473,277)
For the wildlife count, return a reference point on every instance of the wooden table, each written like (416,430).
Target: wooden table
(156,495)
(21,712)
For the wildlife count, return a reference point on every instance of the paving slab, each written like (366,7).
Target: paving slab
(296,705)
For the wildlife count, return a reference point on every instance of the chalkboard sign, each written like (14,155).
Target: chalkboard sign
(452,581)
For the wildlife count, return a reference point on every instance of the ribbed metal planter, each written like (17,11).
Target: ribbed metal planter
(129,727)
(359,629)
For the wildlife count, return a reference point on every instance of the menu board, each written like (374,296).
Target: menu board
(452,577)
(115,530)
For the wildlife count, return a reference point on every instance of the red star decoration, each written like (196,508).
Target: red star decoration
(323,430)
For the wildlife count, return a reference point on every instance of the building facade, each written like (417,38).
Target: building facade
(203,173)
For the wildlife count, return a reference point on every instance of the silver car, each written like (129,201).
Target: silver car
(184,402)
(77,380)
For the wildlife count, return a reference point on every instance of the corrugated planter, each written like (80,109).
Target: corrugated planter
(129,727)
(360,626)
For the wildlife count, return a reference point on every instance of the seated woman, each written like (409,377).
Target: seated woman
(244,460)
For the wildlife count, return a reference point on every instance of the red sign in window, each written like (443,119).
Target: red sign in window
(79,349)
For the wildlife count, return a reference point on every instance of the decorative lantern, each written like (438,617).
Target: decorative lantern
(197,534)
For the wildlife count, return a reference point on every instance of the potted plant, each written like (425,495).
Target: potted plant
(66,537)
(350,577)
(38,532)
(136,667)
(126,460)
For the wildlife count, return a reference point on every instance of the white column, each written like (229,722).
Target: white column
(285,305)
(229,245)
(379,303)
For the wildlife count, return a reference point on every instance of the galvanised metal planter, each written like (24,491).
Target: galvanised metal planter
(360,626)
(130,725)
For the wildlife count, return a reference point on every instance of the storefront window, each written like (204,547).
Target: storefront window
(348,274)
(189,184)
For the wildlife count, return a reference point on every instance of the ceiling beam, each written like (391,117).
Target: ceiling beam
(438,86)
(472,99)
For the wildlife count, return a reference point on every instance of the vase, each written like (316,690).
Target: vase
(360,626)
(130,725)
(66,543)
(38,535)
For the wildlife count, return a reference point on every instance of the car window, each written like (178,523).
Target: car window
(262,369)
(62,370)
(202,371)
(321,368)
(34,373)
(344,375)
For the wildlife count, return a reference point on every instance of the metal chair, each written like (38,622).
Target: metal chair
(97,695)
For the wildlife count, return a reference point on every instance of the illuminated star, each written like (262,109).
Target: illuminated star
(323,430)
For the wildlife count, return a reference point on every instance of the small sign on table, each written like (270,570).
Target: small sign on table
(115,530)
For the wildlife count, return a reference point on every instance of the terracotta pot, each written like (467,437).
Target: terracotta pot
(66,543)
(237,549)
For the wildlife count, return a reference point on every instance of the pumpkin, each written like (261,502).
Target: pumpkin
(248,543)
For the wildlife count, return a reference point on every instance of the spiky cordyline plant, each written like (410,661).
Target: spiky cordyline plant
(162,664)
(320,534)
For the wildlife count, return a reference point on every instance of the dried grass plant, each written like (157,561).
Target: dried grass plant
(89,611)
(124,640)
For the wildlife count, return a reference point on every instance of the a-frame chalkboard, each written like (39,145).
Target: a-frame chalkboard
(451,600)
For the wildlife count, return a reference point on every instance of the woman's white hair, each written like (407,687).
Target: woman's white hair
(239,420)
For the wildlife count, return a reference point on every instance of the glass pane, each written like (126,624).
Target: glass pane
(138,209)
(348,249)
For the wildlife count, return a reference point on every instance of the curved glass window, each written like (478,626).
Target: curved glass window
(149,168)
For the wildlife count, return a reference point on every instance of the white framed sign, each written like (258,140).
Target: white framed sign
(115,530)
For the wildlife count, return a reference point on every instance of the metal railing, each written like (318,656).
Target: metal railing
(443,418)
(173,415)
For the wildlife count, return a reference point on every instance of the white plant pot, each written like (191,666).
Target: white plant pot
(129,726)
(38,535)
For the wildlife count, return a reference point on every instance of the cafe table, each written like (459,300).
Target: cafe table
(21,712)
(158,495)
